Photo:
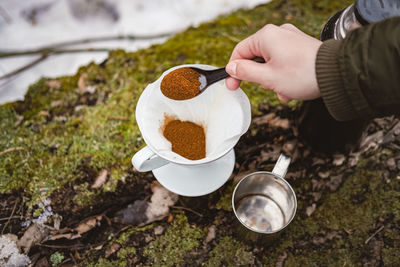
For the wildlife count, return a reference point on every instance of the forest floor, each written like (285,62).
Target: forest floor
(69,195)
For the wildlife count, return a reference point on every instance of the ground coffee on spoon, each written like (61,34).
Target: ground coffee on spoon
(181,84)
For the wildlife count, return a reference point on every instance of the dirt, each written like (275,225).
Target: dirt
(257,150)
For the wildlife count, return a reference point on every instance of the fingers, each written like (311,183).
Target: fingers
(232,83)
(283,98)
(292,28)
(248,70)
(246,49)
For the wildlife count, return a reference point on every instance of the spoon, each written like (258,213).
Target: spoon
(208,77)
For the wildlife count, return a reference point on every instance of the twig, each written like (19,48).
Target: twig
(7,218)
(25,67)
(51,51)
(65,261)
(45,55)
(230,37)
(19,148)
(108,38)
(12,213)
(184,208)
(54,47)
(374,234)
(73,259)
(121,118)
(77,247)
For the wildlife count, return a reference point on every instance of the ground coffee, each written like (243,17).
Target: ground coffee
(181,84)
(187,138)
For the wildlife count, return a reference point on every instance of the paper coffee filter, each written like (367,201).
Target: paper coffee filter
(224,114)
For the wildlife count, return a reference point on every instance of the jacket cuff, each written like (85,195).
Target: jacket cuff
(331,84)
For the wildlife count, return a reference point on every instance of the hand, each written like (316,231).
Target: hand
(290,58)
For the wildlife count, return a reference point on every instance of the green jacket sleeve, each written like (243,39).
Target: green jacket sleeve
(359,77)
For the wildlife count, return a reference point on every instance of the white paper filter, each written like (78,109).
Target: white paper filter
(224,114)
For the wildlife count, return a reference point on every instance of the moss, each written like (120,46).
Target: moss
(390,256)
(56,258)
(171,248)
(324,257)
(225,202)
(366,200)
(106,263)
(230,252)
(124,237)
(83,194)
(125,254)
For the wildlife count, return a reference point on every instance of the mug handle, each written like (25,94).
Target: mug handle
(281,166)
(146,160)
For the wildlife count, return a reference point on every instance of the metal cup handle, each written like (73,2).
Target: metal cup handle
(281,166)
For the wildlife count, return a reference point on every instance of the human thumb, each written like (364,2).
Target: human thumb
(246,70)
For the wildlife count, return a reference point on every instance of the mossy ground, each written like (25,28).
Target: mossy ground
(61,137)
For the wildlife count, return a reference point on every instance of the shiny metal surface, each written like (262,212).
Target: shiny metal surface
(346,23)
(264,202)
(261,213)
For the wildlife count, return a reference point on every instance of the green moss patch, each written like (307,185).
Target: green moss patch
(174,247)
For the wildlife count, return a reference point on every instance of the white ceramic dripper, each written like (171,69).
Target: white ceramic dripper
(225,116)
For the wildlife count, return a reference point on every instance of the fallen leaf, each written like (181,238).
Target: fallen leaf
(170,218)
(82,83)
(160,202)
(44,113)
(99,247)
(158,230)
(59,236)
(211,234)
(88,225)
(338,159)
(263,119)
(280,123)
(371,142)
(19,120)
(324,175)
(54,84)
(57,103)
(310,210)
(100,180)
(281,260)
(143,212)
(148,238)
(112,249)
(391,164)
(34,234)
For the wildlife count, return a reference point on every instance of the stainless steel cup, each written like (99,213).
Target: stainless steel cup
(264,203)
